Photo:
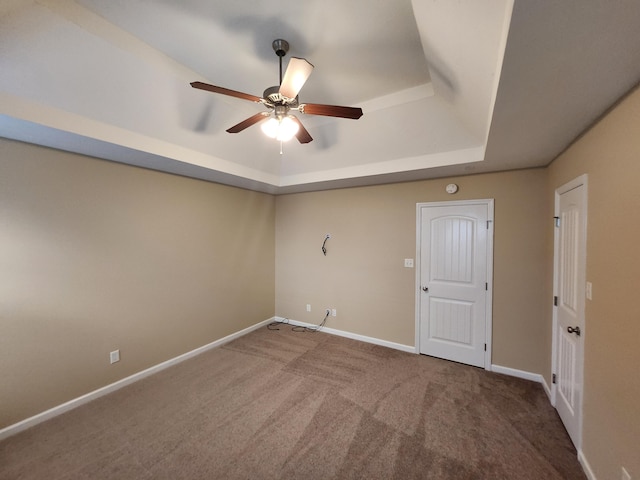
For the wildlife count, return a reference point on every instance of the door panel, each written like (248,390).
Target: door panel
(452,249)
(451,321)
(567,370)
(453,270)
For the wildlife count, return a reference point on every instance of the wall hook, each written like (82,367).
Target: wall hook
(324,248)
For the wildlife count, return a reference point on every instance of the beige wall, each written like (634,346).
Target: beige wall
(373,230)
(610,155)
(97,256)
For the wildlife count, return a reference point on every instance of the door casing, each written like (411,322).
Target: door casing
(489,303)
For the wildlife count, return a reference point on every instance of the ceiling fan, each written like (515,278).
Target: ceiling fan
(280,100)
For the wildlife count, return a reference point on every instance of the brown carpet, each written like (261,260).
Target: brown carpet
(281,404)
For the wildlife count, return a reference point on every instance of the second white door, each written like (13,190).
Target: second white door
(454,247)
(569,322)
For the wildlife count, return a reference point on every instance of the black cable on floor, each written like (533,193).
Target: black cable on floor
(276,325)
(300,328)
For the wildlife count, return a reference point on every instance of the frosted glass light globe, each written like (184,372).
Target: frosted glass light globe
(281,129)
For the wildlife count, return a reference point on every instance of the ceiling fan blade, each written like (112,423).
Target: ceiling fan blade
(331,110)
(225,91)
(248,122)
(302,135)
(294,78)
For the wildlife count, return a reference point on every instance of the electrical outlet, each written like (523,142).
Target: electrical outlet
(334,312)
(408,262)
(308,307)
(589,291)
(625,474)
(114,356)
(327,312)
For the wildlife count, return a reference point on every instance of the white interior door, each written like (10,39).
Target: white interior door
(569,325)
(453,275)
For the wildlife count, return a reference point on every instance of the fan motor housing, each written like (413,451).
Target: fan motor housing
(273,95)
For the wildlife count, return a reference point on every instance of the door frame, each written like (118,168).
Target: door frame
(582,180)
(489,202)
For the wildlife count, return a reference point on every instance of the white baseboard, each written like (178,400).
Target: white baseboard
(513,372)
(585,466)
(353,336)
(76,402)
(547,390)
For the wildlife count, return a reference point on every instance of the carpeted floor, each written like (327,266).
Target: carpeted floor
(287,405)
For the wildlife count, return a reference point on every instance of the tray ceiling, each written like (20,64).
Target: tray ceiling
(447,88)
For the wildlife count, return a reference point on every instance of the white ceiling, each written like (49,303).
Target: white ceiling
(447,88)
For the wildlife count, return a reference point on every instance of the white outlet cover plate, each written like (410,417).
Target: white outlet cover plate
(114,356)
(408,262)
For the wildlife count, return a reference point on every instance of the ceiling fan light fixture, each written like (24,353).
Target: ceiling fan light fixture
(282,129)
(282,98)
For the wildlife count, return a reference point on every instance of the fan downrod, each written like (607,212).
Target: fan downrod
(281,47)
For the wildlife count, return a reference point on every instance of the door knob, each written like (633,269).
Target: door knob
(425,289)
(575,330)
